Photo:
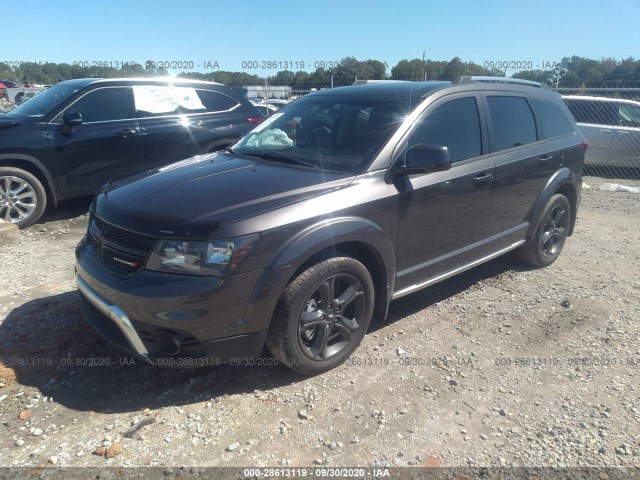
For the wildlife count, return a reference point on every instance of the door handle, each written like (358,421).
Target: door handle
(545,160)
(605,131)
(128,132)
(482,179)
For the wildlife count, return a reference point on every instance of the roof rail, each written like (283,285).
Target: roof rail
(364,82)
(472,79)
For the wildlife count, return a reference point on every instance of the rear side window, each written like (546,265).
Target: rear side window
(105,104)
(593,111)
(216,101)
(454,124)
(513,122)
(159,100)
(553,119)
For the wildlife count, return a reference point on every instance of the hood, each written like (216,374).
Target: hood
(194,197)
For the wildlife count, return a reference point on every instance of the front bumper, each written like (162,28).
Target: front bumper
(113,314)
(180,320)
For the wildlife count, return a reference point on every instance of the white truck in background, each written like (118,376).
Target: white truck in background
(20,94)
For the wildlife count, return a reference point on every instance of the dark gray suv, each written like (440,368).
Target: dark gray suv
(314,221)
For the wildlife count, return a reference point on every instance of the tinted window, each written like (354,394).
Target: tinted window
(513,122)
(104,104)
(455,125)
(216,101)
(593,111)
(553,119)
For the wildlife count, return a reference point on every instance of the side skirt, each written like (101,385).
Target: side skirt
(451,273)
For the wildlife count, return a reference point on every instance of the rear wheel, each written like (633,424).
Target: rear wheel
(323,315)
(22,197)
(550,235)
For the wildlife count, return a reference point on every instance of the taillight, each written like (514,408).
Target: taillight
(255,119)
(585,146)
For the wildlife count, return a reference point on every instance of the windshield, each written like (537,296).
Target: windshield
(330,132)
(45,101)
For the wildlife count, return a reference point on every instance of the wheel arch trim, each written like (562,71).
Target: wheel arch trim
(309,243)
(562,181)
(15,160)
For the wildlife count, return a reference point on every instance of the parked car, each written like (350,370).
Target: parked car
(612,127)
(11,84)
(72,138)
(319,217)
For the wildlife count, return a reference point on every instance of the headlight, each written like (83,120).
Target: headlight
(211,257)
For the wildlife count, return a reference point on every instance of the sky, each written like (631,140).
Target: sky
(239,35)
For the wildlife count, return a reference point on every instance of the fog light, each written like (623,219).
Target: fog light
(166,343)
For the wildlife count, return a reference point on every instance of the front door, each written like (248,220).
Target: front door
(443,216)
(106,146)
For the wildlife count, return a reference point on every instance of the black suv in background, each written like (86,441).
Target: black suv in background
(319,217)
(74,137)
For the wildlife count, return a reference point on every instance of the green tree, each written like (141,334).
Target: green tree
(283,77)
(545,76)
(301,79)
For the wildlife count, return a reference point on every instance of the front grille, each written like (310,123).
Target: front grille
(129,238)
(119,251)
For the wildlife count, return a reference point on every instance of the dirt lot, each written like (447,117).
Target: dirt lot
(503,365)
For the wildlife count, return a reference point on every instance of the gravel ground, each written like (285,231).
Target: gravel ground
(500,366)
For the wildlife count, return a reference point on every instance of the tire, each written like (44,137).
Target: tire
(551,233)
(22,197)
(322,316)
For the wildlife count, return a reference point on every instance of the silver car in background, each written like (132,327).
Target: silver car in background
(612,128)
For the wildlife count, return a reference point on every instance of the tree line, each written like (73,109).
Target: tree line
(572,71)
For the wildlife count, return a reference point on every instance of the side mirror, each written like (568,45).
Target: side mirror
(72,118)
(426,158)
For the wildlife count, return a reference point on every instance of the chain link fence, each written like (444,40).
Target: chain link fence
(610,119)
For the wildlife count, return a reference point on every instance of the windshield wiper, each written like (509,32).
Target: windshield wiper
(280,157)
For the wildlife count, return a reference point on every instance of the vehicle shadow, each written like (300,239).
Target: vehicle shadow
(67,210)
(418,301)
(48,345)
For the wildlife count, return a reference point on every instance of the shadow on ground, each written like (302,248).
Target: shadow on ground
(49,346)
(67,210)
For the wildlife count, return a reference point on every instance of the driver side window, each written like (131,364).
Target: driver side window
(105,104)
(454,124)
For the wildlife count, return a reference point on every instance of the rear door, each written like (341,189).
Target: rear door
(443,216)
(523,166)
(106,146)
(178,122)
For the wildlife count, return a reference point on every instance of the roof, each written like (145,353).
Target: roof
(395,88)
(136,80)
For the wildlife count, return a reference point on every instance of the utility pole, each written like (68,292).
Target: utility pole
(424,66)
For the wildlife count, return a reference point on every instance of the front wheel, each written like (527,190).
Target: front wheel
(547,243)
(22,197)
(322,316)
